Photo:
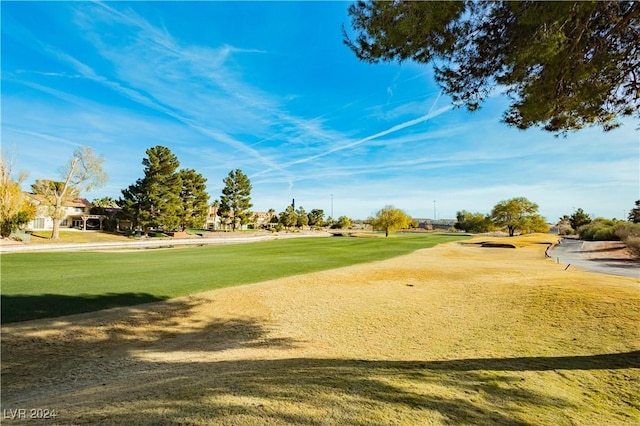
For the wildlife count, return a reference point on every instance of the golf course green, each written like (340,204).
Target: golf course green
(42,285)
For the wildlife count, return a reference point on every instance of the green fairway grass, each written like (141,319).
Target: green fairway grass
(41,285)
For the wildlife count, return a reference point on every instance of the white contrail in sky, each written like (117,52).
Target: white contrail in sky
(397,127)
(434,103)
(393,129)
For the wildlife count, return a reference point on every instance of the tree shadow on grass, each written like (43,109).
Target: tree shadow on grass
(173,374)
(58,356)
(21,307)
(619,263)
(151,367)
(311,391)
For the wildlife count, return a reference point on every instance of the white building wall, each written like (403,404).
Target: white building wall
(43,221)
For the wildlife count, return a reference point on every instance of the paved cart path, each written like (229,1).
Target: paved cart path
(605,257)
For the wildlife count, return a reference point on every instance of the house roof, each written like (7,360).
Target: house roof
(76,202)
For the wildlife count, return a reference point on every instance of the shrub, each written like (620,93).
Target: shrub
(586,232)
(633,245)
(629,233)
(474,222)
(599,230)
(607,222)
(605,233)
(625,230)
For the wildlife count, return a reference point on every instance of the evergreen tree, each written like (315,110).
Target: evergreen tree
(131,202)
(565,65)
(161,186)
(634,214)
(302,219)
(154,200)
(579,218)
(235,200)
(288,218)
(194,199)
(316,217)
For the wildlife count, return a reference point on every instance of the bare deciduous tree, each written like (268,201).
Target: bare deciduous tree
(82,172)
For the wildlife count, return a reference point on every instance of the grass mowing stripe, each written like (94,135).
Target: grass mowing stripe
(39,285)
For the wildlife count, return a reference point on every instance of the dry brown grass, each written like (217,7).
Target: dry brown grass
(456,334)
(77,237)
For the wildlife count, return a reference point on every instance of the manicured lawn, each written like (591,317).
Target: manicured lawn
(40,285)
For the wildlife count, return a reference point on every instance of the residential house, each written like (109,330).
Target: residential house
(76,215)
(213,222)
(261,220)
(431,224)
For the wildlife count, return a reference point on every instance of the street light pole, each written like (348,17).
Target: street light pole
(434,209)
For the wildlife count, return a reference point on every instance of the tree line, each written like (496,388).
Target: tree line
(516,214)
(291,217)
(520,214)
(602,229)
(167,198)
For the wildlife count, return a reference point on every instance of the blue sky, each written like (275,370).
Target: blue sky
(270,88)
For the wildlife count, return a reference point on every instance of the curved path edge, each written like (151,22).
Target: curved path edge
(574,252)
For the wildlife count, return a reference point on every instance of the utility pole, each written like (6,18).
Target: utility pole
(332,207)
(434,209)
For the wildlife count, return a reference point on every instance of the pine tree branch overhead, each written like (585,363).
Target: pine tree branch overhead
(565,65)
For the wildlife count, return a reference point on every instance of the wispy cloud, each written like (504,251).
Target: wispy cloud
(193,73)
(44,136)
(197,87)
(189,84)
(124,77)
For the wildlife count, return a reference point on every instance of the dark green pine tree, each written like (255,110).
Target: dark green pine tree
(634,214)
(579,218)
(131,202)
(161,188)
(194,199)
(288,218)
(565,65)
(316,217)
(235,200)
